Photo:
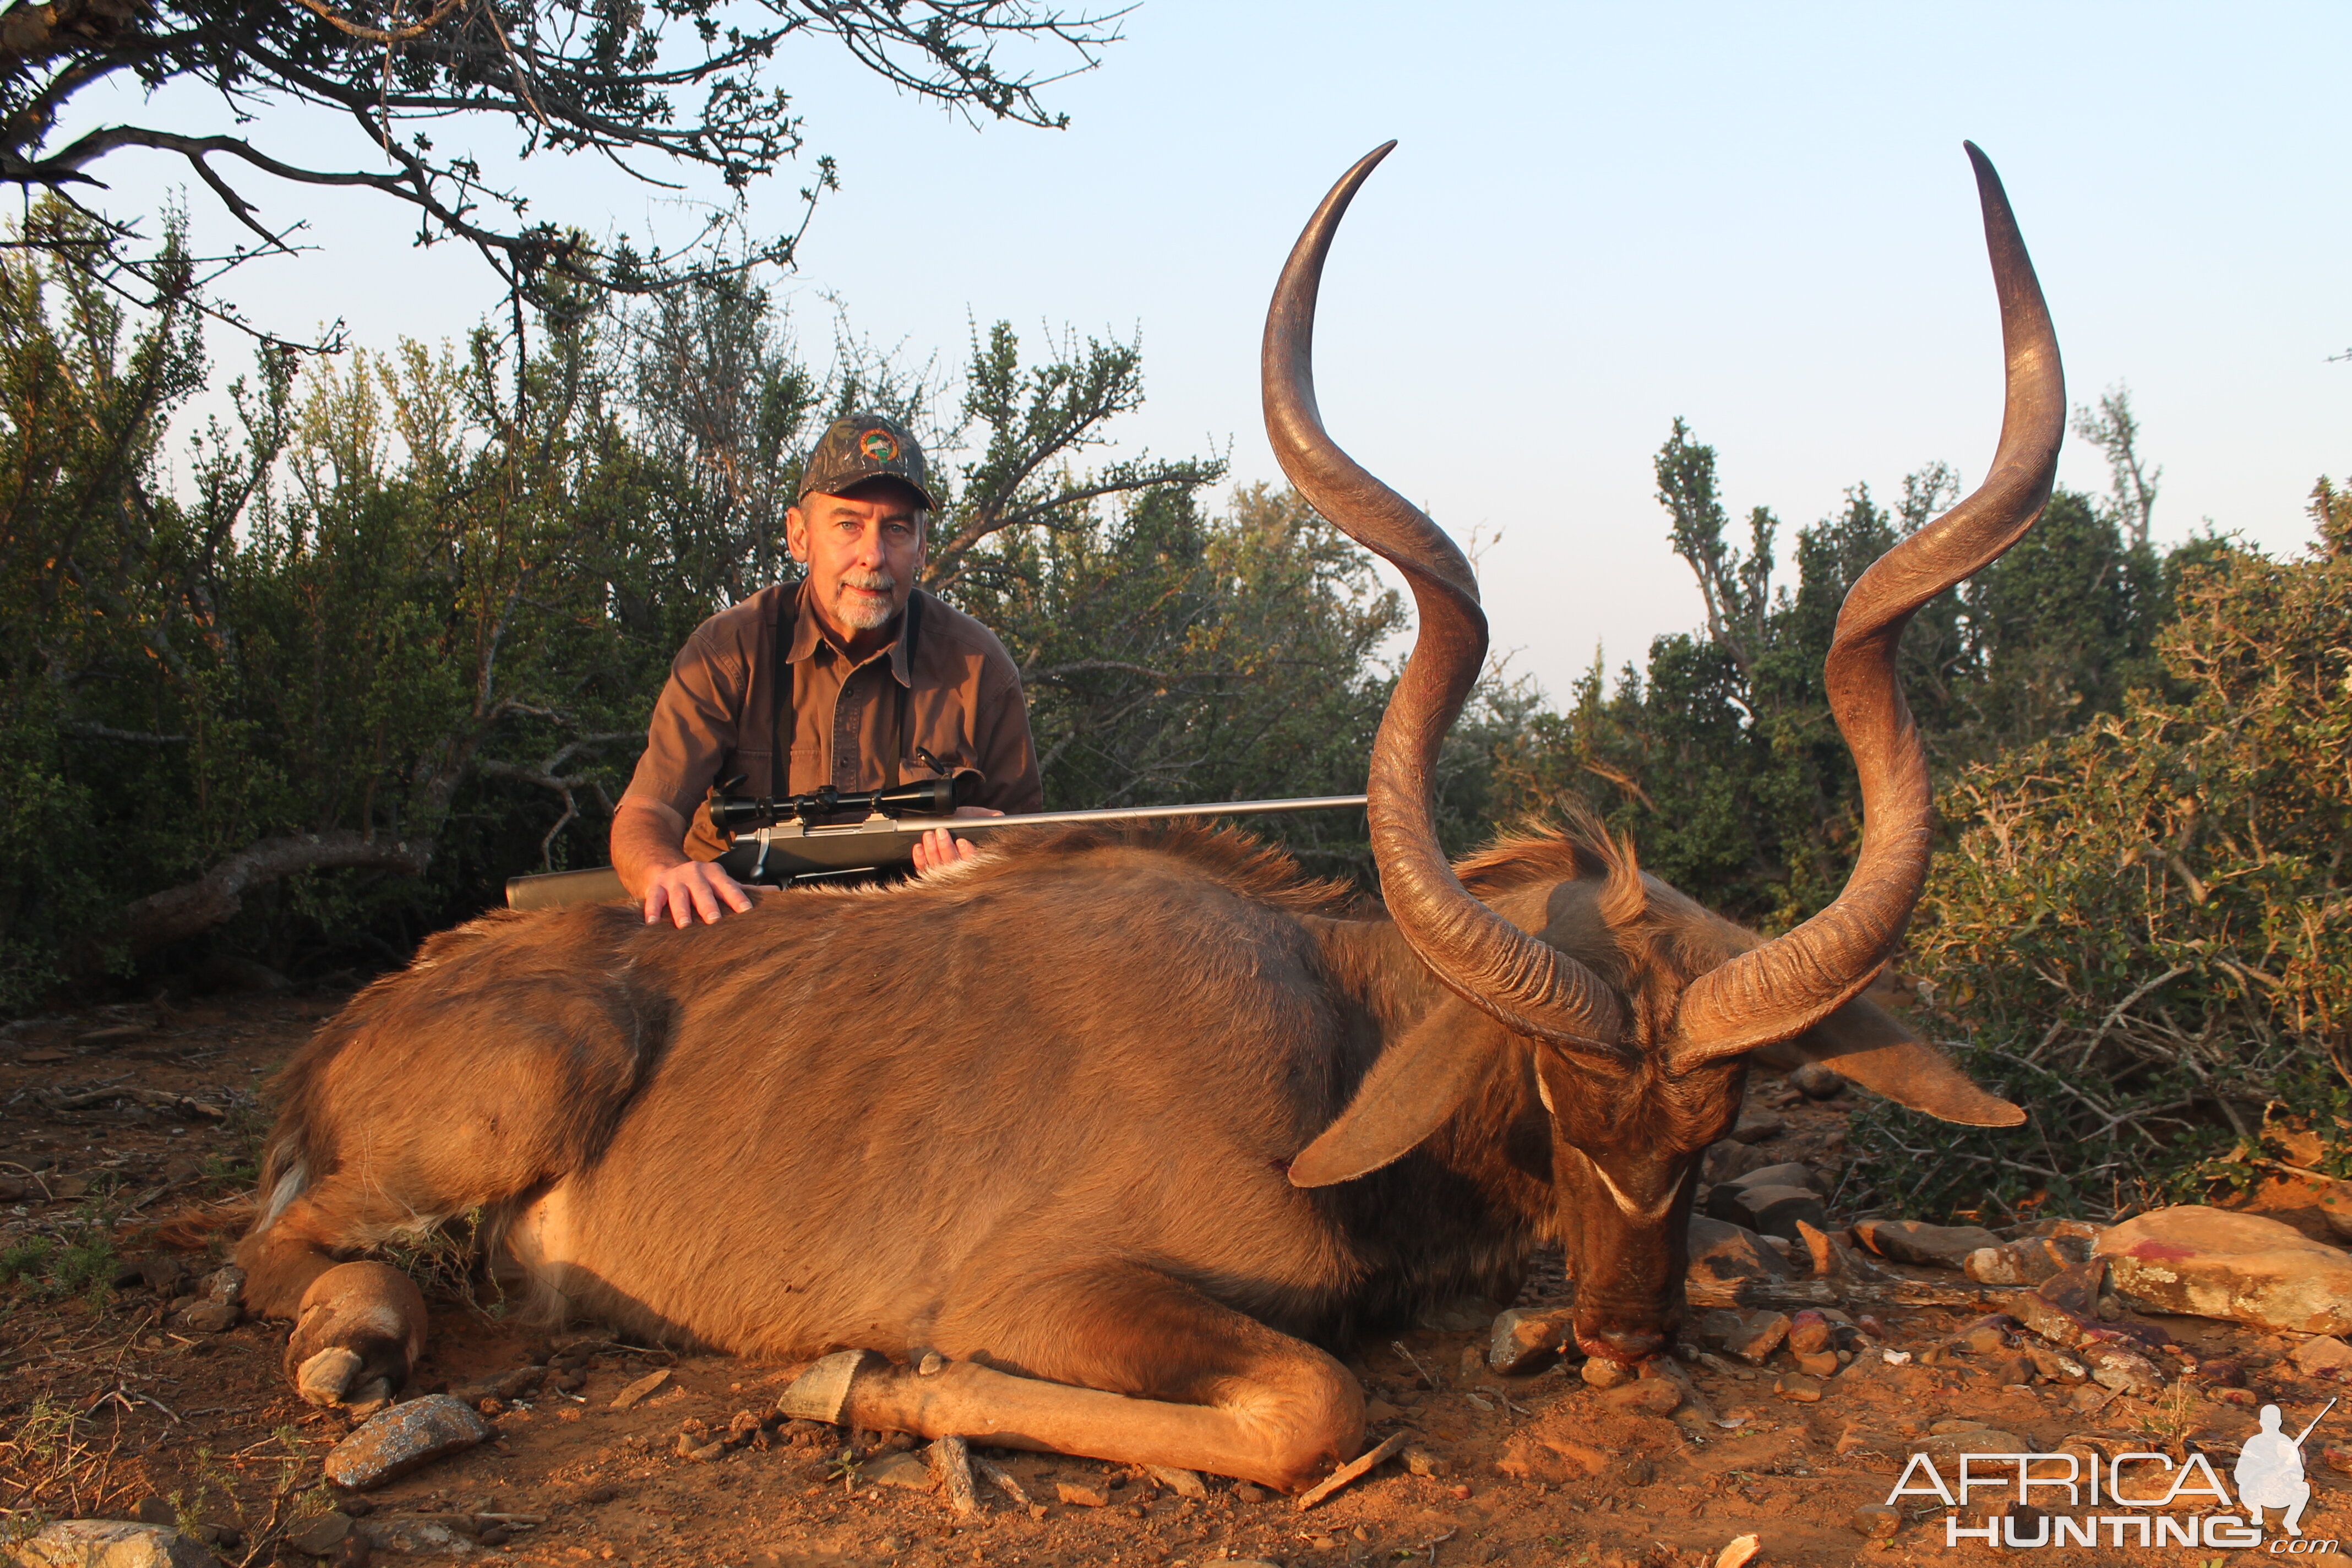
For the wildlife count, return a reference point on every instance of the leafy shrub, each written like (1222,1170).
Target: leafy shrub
(25,1260)
(86,1267)
(79,1261)
(2138,928)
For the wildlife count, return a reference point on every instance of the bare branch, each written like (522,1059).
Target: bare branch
(336,20)
(90,730)
(573,75)
(219,893)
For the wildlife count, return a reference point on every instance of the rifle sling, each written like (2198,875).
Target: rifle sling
(781,726)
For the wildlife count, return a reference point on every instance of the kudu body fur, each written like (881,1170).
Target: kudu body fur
(1125,1125)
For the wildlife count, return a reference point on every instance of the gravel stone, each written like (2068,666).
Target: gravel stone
(111,1543)
(1935,1246)
(404,1439)
(642,1389)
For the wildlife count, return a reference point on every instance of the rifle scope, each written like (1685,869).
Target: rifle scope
(731,814)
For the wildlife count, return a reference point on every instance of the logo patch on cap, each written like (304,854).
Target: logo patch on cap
(879,445)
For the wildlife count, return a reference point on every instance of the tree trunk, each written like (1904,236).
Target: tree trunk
(175,912)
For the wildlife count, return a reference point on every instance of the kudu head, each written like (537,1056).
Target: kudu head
(1637,1010)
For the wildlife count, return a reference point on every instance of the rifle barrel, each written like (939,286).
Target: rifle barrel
(1132,813)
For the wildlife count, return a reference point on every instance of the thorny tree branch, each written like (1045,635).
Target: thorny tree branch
(440,14)
(683,80)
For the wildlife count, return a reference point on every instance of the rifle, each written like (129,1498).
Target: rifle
(802,838)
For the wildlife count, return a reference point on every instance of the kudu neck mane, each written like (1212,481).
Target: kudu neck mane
(1638,933)
(1227,856)
(1644,937)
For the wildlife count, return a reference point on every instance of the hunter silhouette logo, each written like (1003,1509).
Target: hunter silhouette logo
(2270,1472)
(2269,1475)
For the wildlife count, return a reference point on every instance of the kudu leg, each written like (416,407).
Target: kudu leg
(437,1096)
(1127,1364)
(358,1327)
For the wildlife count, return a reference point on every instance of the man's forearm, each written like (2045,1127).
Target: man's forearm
(649,853)
(648,838)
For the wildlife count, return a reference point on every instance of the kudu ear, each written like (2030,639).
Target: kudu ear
(1411,1090)
(1864,1042)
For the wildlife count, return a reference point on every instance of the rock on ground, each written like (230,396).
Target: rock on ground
(1786,1174)
(1935,1246)
(644,1388)
(111,1543)
(898,1470)
(1183,1483)
(1877,1521)
(1978,1440)
(1600,1372)
(1729,1160)
(403,1438)
(319,1537)
(2121,1368)
(1815,1081)
(1722,1253)
(2026,1262)
(415,1535)
(2321,1355)
(1765,1207)
(1749,1336)
(2237,1267)
(1524,1342)
(1658,1395)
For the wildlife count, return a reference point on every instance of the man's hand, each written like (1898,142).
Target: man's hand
(938,849)
(648,853)
(693,889)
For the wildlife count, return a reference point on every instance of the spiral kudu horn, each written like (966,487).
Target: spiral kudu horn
(1531,986)
(1779,990)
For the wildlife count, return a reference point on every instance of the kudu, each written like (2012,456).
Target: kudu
(1126,1125)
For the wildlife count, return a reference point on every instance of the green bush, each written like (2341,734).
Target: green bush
(395,635)
(2137,930)
(27,1259)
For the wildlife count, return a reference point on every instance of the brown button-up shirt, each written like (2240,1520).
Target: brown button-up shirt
(716,717)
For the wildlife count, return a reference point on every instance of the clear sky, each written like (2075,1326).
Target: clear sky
(1600,217)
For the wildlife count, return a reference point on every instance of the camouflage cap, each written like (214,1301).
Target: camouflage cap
(856,448)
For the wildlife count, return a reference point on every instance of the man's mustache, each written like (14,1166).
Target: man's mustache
(872,581)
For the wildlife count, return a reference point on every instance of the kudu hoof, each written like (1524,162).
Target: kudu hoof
(359,1328)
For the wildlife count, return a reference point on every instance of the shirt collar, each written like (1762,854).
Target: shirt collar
(808,632)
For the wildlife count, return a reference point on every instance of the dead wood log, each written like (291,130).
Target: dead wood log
(1362,1465)
(1788,1295)
(951,1464)
(1000,1478)
(160,1099)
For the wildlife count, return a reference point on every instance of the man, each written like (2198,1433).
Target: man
(878,683)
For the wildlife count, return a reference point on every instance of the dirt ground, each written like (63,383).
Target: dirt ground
(104,1408)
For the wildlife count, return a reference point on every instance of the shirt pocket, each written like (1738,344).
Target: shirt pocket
(807,765)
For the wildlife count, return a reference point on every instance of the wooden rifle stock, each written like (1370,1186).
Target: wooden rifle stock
(791,852)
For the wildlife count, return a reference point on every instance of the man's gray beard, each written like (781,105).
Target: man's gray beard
(856,612)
